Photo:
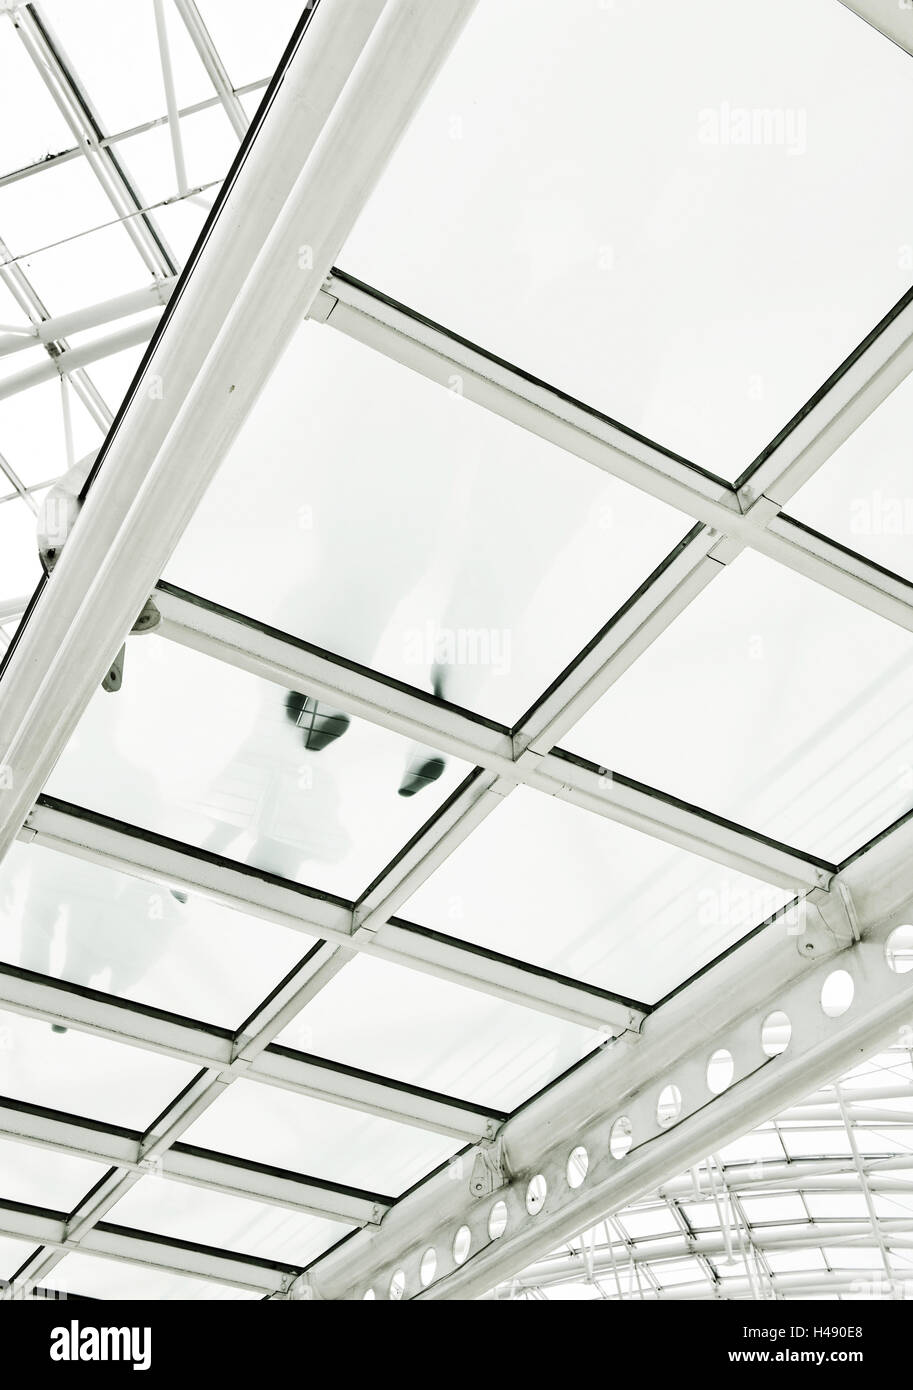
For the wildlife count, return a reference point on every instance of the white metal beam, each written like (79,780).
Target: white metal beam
(336,136)
(30,302)
(508,759)
(70,360)
(57,826)
(52,1231)
(186,1163)
(844,402)
(211,61)
(723,1008)
(893,18)
(249,1055)
(155,295)
(742,515)
(57,73)
(346,96)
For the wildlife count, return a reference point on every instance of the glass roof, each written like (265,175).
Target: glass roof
(670,281)
(220,843)
(782,1214)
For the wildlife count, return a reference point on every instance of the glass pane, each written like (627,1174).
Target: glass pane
(863,496)
(63,916)
(772,701)
(428,1032)
(781,1206)
(549,883)
(198,750)
(32,126)
(57,203)
(112,375)
(20,569)
(816,1143)
(230,1223)
(837,1206)
(250,51)
(661,238)
(853,1257)
(113,50)
(43,1178)
(209,145)
(654,1221)
(673,1272)
(13,1254)
(86,1075)
(95,1277)
(95,266)
(320,1140)
(32,439)
(785,1261)
(391,520)
(701,1215)
(759,1145)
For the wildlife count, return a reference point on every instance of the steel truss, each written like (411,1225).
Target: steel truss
(324,155)
(600,1257)
(724,1008)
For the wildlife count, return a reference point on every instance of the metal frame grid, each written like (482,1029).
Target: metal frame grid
(516,1161)
(708,1227)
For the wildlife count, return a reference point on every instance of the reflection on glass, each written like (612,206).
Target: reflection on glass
(771,701)
(320,1140)
(428,1032)
(231,1223)
(62,916)
(661,238)
(85,1075)
(198,750)
(557,886)
(863,495)
(388,519)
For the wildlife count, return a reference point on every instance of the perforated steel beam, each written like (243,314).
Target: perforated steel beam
(724,1008)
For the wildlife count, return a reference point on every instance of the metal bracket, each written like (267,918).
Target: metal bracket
(148,620)
(323,306)
(489,1171)
(829,921)
(115,677)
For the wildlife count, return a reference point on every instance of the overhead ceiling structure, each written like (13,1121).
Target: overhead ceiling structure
(512,807)
(814,1204)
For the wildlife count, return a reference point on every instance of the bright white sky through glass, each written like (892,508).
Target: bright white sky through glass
(581,201)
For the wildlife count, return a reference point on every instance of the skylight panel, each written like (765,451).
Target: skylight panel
(203,752)
(555,885)
(690,246)
(772,701)
(390,520)
(139,939)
